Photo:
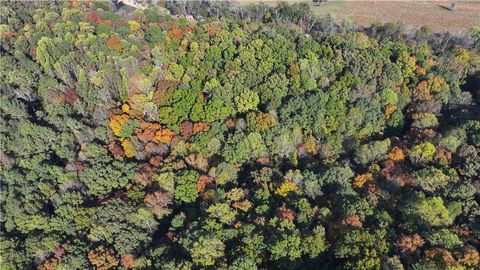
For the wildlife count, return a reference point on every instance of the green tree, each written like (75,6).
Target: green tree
(430,179)
(362,249)
(102,178)
(154,34)
(186,186)
(374,151)
(428,211)
(207,250)
(247,100)
(222,212)
(444,238)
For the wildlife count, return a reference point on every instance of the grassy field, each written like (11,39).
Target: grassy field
(434,14)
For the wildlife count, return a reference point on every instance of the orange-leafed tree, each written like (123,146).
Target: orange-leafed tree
(363,178)
(176,32)
(200,127)
(443,257)
(164,135)
(203,181)
(147,131)
(409,243)
(128,261)
(352,220)
(114,43)
(396,154)
(286,213)
(470,257)
(422,91)
(49,265)
(102,258)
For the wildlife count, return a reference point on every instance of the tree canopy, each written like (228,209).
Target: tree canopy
(258,137)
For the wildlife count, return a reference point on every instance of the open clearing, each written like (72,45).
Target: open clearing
(434,14)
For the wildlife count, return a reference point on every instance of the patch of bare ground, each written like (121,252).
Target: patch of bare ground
(434,14)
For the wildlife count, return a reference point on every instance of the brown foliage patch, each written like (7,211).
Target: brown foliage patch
(286,213)
(156,161)
(397,173)
(165,135)
(186,129)
(263,161)
(410,243)
(200,127)
(114,43)
(352,220)
(470,257)
(230,123)
(158,203)
(198,161)
(203,181)
(48,265)
(102,258)
(441,255)
(214,30)
(444,156)
(147,131)
(93,16)
(71,96)
(143,177)
(127,261)
(265,121)
(116,150)
(163,91)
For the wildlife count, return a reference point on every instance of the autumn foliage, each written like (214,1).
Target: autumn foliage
(128,261)
(205,135)
(203,181)
(114,43)
(158,203)
(361,179)
(200,127)
(286,213)
(396,154)
(164,135)
(102,258)
(352,220)
(117,122)
(286,187)
(128,148)
(410,243)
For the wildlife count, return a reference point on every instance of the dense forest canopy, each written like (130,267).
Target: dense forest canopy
(261,138)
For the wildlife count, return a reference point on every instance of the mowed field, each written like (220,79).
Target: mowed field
(434,14)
